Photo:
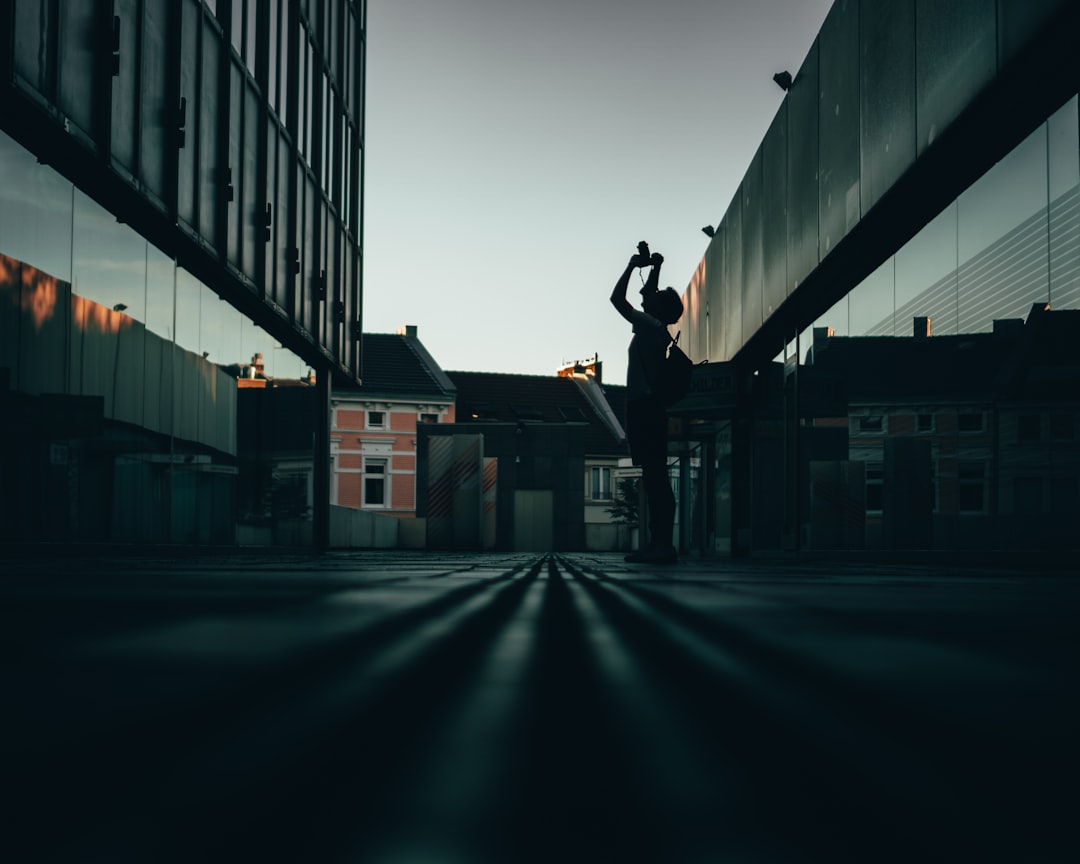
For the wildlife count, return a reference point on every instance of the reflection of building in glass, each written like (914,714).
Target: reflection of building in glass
(180,186)
(110,432)
(968,440)
(921,167)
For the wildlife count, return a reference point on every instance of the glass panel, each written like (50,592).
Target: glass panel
(1063,143)
(123,124)
(35,53)
(926,277)
(283,63)
(712,297)
(109,260)
(309,257)
(189,87)
(886,55)
(159,292)
(1019,20)
(872,303)
(251,42)
(255,345)
(733,279)
(236,26)
(955,58)
(839,118)
(283,237)
(221,329)
(774,236)
(302,97)
(324,311)
(252,221)
(348,352)
(109,284)
(837,317)
(272,92)
(751,250)
(79,66)
(309,96)
(803,231)
(236,168)
(157,114)
(266,232)
(327,125)
(1002,240)
(35,211)
(208,108)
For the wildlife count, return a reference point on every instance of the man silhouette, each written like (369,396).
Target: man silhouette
(646,414)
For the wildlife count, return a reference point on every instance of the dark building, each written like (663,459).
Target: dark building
(964,441)
(527,465)
(924,164)
(180,184)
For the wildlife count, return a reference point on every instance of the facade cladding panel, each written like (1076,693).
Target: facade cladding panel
(898,106)
(172,117)
(887,91)
(918,197)
(160,226)
(838,125)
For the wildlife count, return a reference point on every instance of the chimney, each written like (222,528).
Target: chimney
(921,329)
(407,330)
(821,336)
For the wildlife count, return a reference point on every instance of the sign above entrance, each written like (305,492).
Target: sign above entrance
(713,387)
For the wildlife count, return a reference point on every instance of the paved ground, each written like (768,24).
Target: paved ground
(390,708)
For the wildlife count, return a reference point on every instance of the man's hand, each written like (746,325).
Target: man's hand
(656,259)
(639,261)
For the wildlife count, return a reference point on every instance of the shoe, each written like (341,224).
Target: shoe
(653,555)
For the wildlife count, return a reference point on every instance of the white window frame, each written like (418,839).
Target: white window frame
(596,472)
(371,462)
(982,422)
(370,424)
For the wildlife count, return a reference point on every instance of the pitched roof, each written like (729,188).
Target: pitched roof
(507,398)
(394,364)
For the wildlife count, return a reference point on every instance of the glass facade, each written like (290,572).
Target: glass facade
(902,391)
(180,231)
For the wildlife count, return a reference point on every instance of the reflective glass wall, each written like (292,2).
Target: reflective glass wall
(119,383)
(1000,448)
(918,185)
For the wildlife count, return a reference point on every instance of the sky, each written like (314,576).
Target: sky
(516,152)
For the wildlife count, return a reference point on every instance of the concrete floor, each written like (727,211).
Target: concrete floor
(404,708)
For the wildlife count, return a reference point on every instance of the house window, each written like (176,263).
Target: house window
(429,418)
(971,422)
(1028,427)
(972,487)
(871,425)
(875,485)
(376,419)
(924,422)
(374,482)
(601,484)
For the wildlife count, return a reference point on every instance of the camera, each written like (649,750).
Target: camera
(643,250)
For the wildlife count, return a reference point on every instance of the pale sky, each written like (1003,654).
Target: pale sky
(517,151)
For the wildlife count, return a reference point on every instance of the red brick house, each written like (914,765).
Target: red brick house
(373,426)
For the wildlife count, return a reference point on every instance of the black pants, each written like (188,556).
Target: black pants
(646,429)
